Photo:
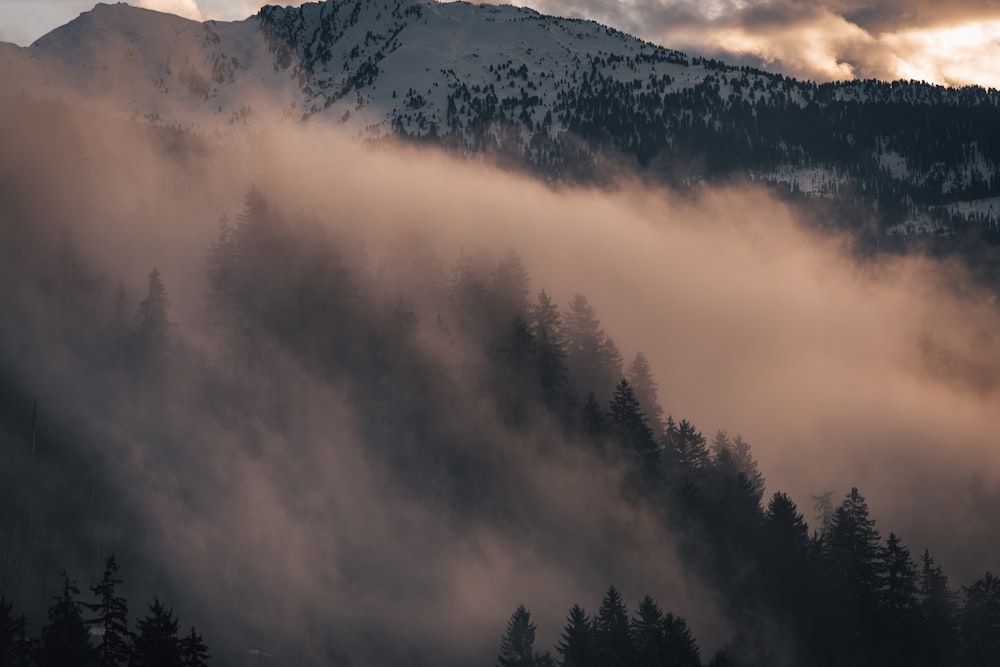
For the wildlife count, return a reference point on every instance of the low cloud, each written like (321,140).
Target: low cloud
(839,374)
(299,538)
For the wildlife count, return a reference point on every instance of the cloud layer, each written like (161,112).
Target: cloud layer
(880,375)
(953,43)
(943,43)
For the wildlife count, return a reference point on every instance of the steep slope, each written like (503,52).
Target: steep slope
(559,96)
(161,67)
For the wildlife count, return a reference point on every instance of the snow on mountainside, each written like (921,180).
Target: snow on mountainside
(555,95)
(161,67)
(405,61)
(364,63)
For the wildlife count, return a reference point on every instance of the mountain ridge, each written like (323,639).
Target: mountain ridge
(560,97)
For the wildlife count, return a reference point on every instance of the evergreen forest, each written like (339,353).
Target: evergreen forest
(309,467)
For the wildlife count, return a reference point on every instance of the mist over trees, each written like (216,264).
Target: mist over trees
(451,379)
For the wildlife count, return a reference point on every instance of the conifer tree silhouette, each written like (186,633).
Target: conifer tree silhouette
(65,641)
(156,641)
(110,619)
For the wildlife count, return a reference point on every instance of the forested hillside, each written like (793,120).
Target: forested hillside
(327,450)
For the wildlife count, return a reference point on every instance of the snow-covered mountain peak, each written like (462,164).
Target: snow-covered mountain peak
(377,66)
(109,20)
(557,95)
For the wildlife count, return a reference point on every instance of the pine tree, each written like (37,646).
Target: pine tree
(939,608)
(509,287)
(516,388)
(65,641)
(156,641)
(467,286)
(111,619)
(647,634)
(980,622)
(899,594)
(823,507)
(546,325)
(248,267)
(854,545)
(747,464)
(733,458)
(735,513)
(589,354)
(640,376)
(257,234)
(855,560)
(593,417)
(14,647)
(900,613)
(627,423)
(256,210)
(785,525)
(790,570)
(194,652)
(582,329)
(152,323)
(612,632)
(690,504)
(681,648)
(233,297)
(577,644)
(545,319)
(796,583)
(520,347)
(517,647)
(223,264)
(609,361)
(687,448)
(553,376)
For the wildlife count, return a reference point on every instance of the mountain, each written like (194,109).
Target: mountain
(564,98)
(314,398)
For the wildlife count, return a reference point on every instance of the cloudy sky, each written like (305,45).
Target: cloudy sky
(956,42)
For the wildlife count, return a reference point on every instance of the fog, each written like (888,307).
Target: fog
(275,516)
(754,322)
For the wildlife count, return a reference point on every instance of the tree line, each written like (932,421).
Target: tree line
(97,633)
(841,592)
(861,602)
(650,637)
(448,368)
